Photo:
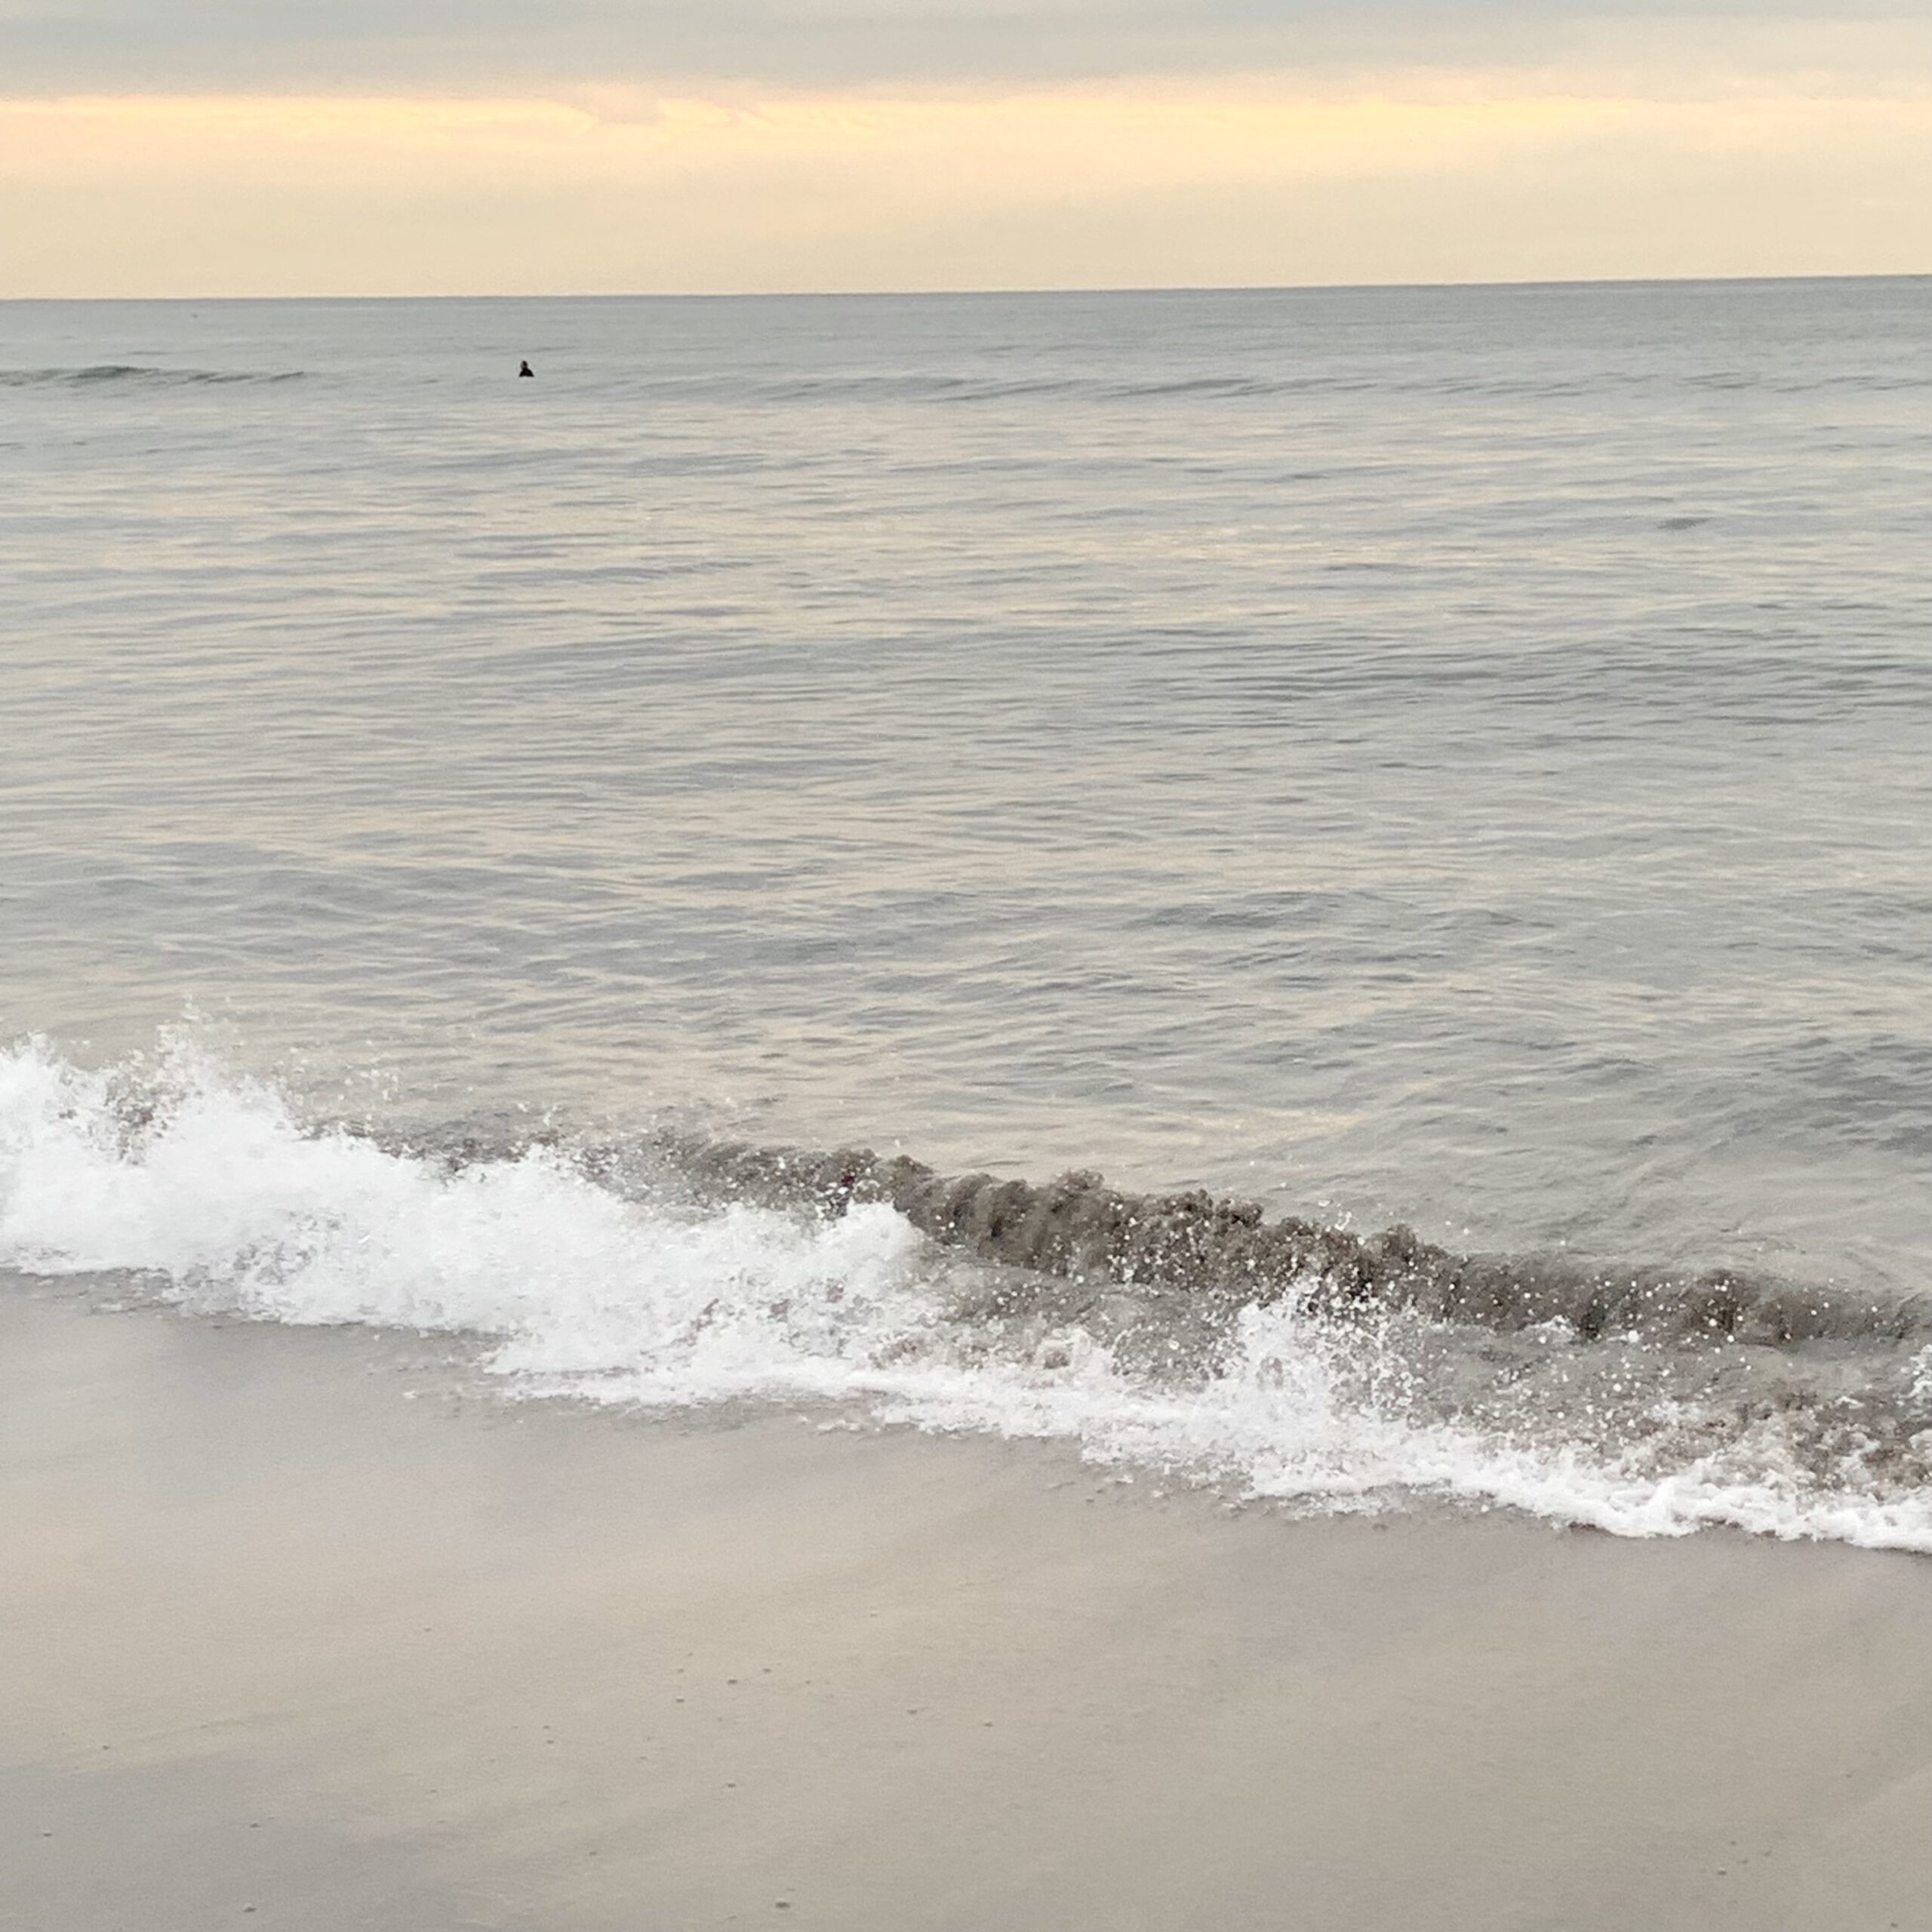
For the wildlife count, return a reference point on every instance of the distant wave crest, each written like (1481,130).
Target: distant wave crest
(135,375)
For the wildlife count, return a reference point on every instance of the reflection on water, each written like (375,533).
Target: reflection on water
(1455,756)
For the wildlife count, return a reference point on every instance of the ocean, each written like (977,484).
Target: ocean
(683,873)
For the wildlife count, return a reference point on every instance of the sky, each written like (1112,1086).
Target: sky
(209,147)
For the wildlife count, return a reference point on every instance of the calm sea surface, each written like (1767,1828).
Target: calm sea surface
(1457,756)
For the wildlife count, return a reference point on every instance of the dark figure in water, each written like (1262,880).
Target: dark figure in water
(524,369)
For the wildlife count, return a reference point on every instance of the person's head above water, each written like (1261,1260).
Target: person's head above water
(524,369)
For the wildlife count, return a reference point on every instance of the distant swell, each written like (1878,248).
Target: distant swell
(919,389)
(1224,1253)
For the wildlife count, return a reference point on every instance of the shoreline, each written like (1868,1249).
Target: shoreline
(308,1633)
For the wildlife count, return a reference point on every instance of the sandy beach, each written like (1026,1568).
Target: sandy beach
(302,1633)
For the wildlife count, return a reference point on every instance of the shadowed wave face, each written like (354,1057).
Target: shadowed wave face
(1223,1254)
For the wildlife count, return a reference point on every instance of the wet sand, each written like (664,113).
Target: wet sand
(298,1634)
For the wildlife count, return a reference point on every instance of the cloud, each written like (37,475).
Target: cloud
(466,45)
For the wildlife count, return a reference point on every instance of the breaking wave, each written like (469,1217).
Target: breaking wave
(1180,1333)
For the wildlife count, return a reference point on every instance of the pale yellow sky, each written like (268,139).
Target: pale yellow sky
(1696,167)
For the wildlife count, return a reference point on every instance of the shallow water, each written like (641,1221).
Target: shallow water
(1453,757)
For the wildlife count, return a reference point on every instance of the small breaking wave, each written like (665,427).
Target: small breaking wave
(1174,1333)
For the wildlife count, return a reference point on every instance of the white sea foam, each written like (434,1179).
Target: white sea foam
(216,1198)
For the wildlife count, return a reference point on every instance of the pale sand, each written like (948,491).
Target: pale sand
(284,1648)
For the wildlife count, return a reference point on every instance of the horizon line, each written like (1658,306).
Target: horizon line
(995,291)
